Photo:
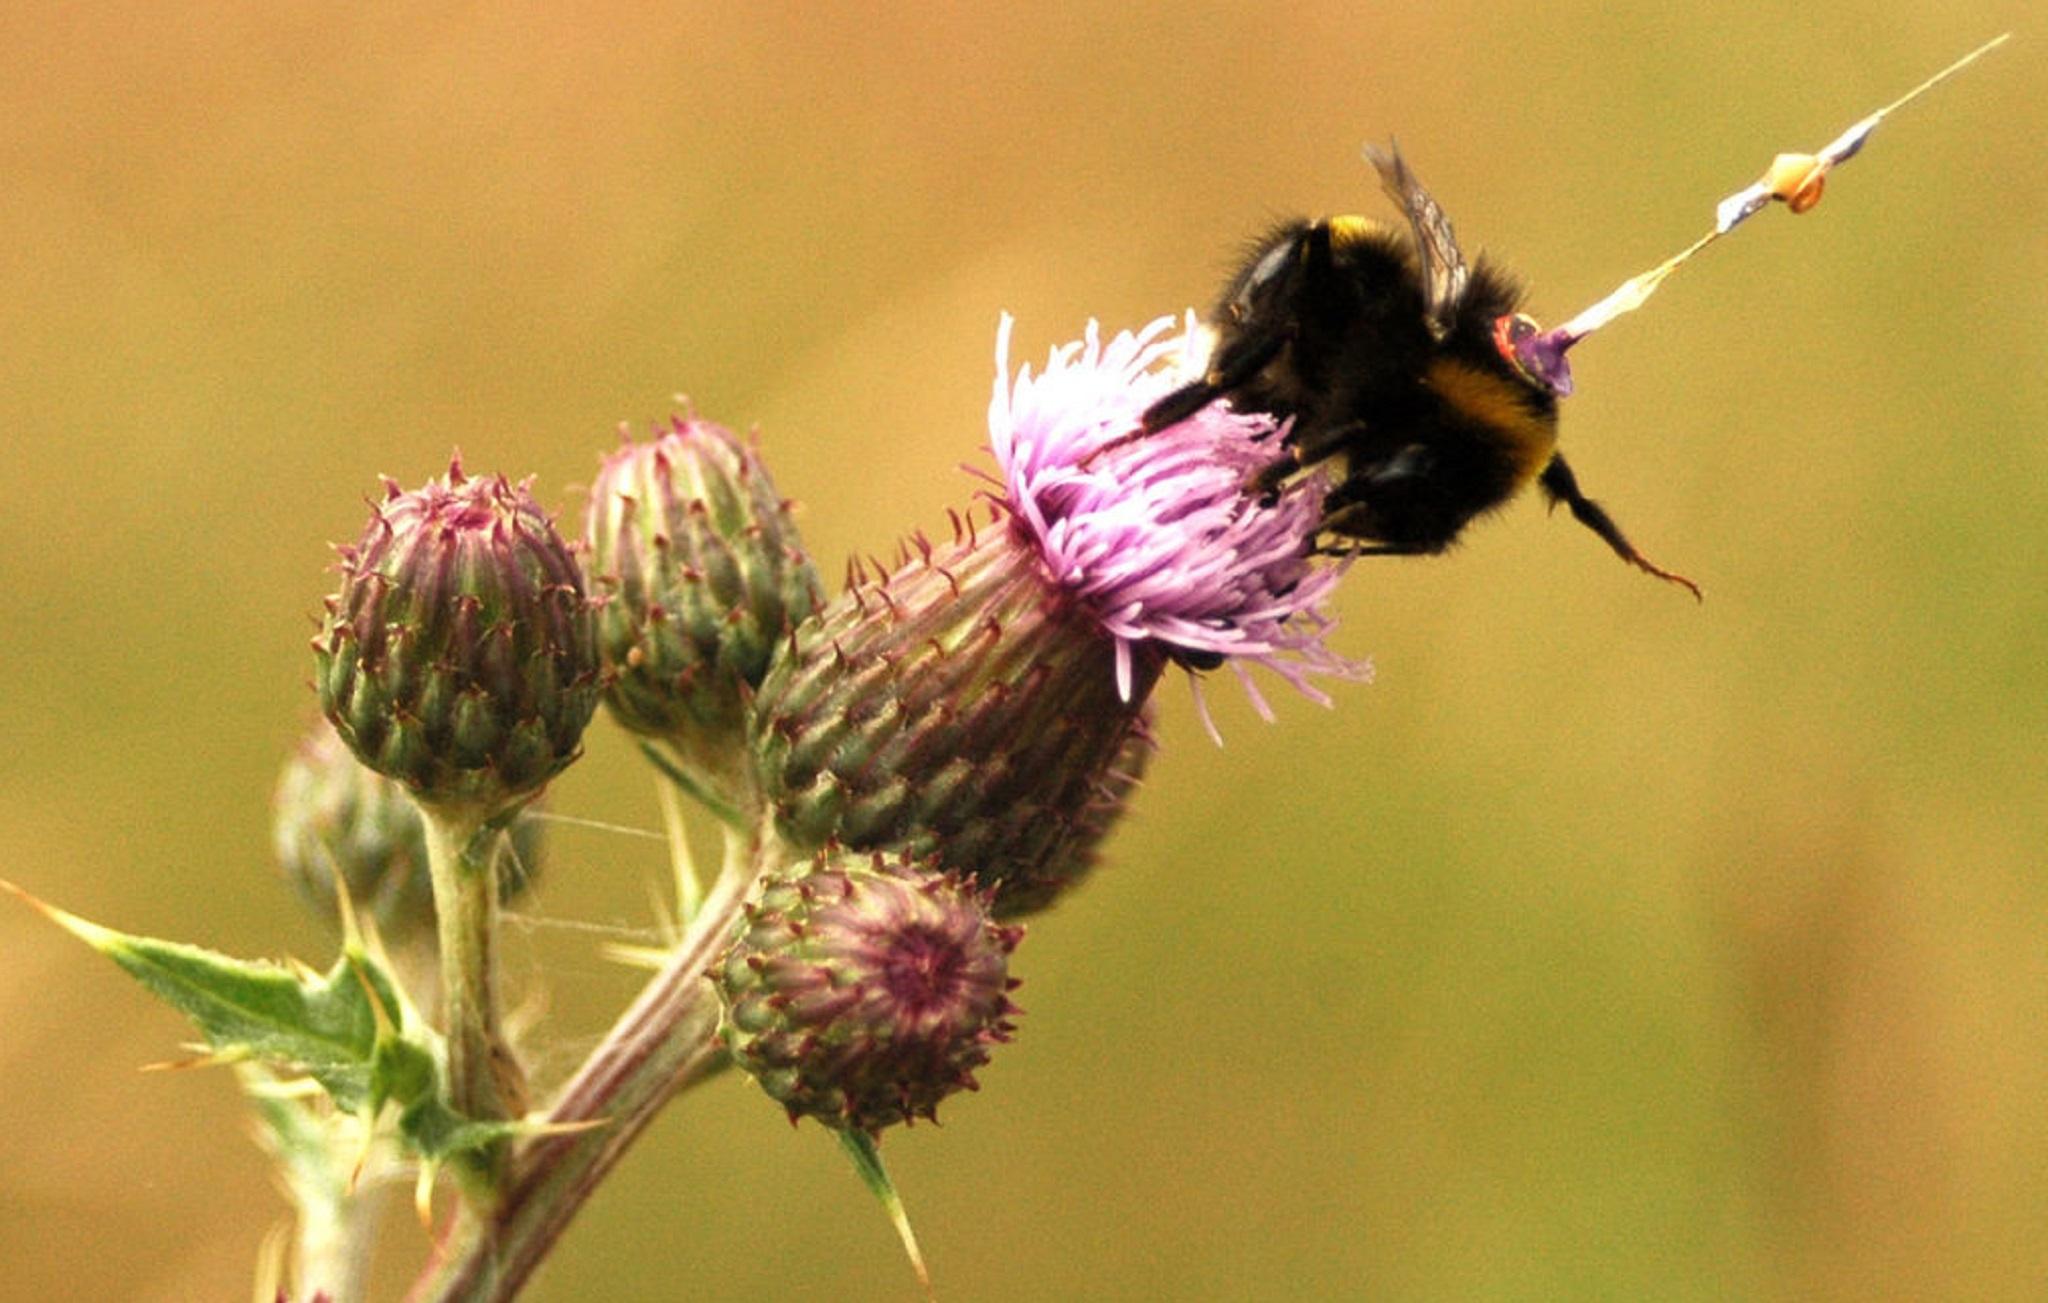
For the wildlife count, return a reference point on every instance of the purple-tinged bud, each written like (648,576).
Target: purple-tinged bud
(863,991)
(460,656)
(957,708)
(1034,888)
(333,814)
(697,561)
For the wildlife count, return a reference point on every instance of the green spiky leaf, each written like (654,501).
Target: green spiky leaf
(435,1131)
(350,1029)
(320,1024)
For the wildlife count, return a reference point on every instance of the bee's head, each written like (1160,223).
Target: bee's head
(1537,355)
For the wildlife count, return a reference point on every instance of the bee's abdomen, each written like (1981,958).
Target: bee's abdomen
(1498,413)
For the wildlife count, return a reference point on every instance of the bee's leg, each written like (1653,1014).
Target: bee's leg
(1179,405)
(1372,549)
(1313,445)
(1266,481)
(1560,485)
(1234,365)
(1305,449)
(1352,522)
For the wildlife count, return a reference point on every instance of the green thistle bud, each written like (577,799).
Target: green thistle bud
(698,562)
(958,708)
(331,813)
(460,656)
(863,992)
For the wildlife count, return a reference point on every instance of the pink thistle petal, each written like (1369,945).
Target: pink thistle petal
(1155,535)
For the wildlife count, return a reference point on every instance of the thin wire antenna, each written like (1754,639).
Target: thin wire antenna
(1796,180)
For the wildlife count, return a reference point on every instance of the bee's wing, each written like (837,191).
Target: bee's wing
(1443,268)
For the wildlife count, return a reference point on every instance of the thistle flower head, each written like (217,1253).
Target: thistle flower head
(332,815)
(459,656)
(952,708)
(697,559)
(862,991)
(982,703)
(1156,535)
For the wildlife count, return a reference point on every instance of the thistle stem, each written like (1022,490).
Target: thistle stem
(483,1076)
(664,1044)
(335,1242)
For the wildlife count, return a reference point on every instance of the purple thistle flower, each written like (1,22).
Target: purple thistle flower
(983,702)
(1156,537)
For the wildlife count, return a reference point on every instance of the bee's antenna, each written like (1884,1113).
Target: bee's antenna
(1794,179)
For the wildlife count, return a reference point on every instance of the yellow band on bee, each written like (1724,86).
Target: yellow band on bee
(1501,406)
(1350,229)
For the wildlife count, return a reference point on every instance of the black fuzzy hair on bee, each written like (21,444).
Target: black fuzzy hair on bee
(1396,361)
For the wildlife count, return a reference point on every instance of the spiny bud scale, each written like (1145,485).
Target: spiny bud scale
(698,561)
(958,708)
(863,991)
(459,656)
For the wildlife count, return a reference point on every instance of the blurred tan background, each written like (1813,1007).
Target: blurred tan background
(1608,946)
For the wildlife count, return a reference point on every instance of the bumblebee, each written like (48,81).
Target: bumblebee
(1411,370)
